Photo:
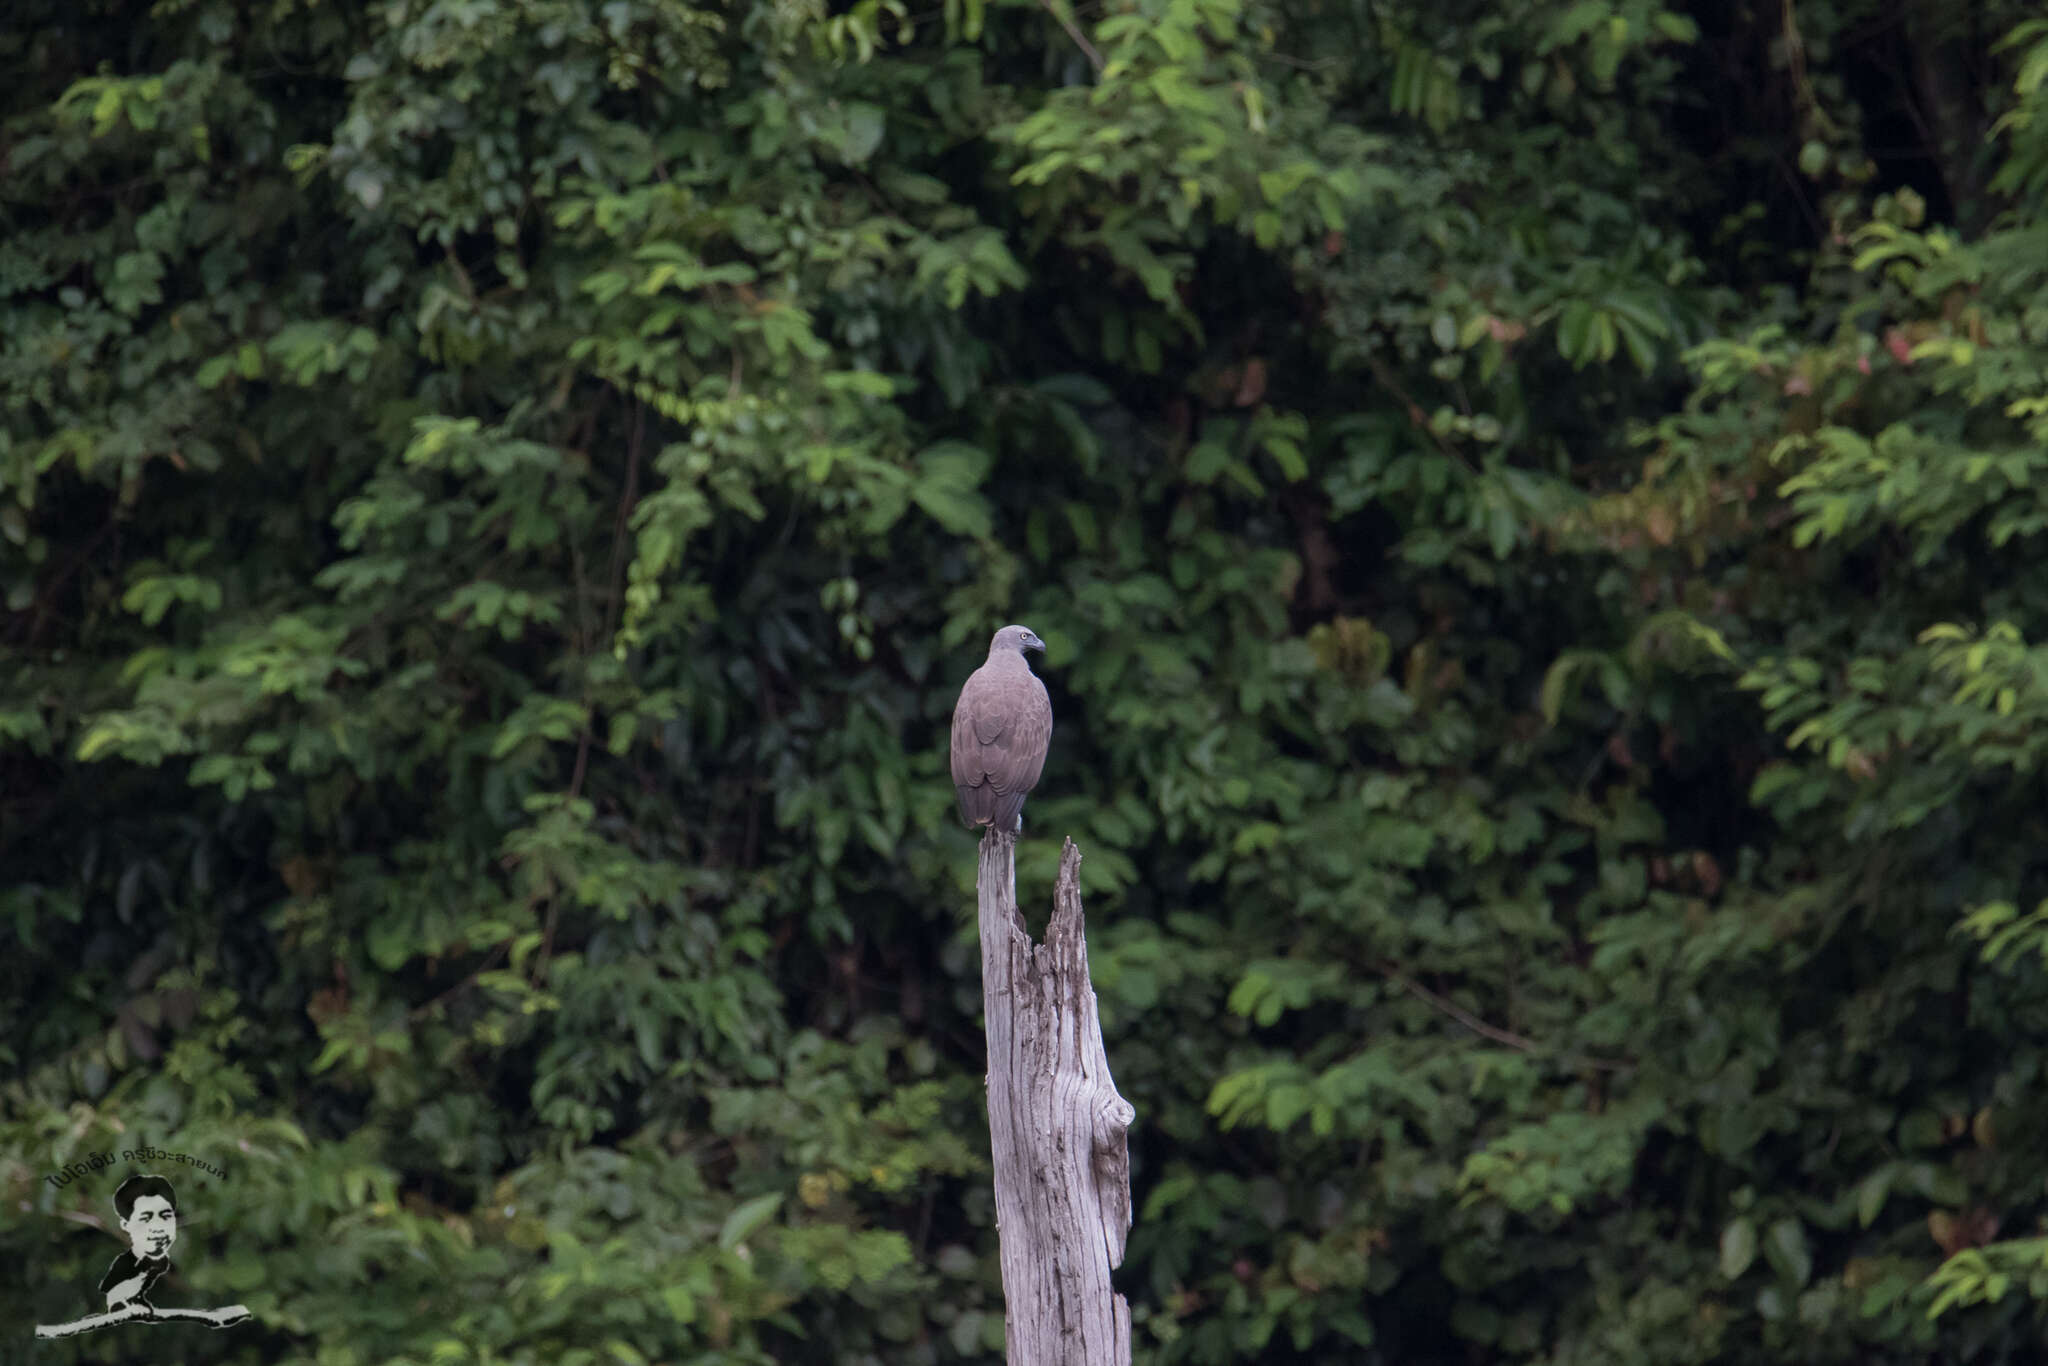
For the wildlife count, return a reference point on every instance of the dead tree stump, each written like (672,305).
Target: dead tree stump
(1062,1165)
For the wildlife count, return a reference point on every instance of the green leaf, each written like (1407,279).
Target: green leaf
(1871,1194)
(748,1217)
(1738,1247)
(865,124)
(1205,463)
(947,484)
(1786,1247)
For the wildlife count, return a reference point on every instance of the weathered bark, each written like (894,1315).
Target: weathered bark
(1062,1166)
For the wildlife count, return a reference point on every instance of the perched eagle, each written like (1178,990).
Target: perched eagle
(1001,728)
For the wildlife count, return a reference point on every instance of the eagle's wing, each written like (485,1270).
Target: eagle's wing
(1001,731)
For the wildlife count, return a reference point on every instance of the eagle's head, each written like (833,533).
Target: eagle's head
(1018,638)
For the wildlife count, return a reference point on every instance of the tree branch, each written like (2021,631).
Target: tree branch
(1058,10)
(1520,1043)
(1057,1126)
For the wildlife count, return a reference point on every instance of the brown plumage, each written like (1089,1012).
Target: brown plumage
(1002,727)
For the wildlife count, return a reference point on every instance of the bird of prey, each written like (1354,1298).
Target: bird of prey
(1002,726)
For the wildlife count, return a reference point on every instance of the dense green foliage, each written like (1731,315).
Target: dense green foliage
(1535,512)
